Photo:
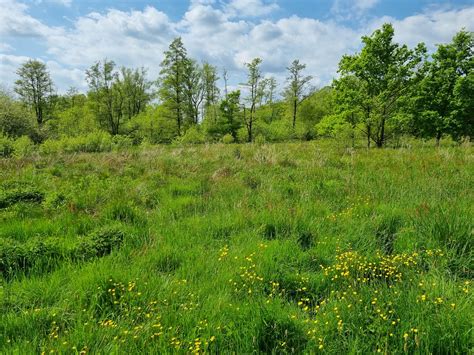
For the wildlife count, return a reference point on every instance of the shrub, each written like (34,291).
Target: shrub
(99,243)
(15,119)
(227,139)
(6,146)
(22,258)
(193,136)
(23,147)
(19,195)
(259,139)
(122,142)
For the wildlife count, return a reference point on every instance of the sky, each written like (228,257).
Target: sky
(70,35)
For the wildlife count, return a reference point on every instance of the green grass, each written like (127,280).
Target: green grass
(298,247)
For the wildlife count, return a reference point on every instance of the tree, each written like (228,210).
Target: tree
(443,104)
(211,91)
(106,94)
(172,81)
(193,90)
(298,87)
(351,104)
(34,87)
(135,89)
(230,110)
(253,80)
(385,72)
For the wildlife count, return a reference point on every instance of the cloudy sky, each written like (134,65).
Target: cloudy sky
(69,35)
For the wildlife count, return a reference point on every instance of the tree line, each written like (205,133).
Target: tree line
(384,91)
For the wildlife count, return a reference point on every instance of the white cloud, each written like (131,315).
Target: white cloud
(432,27)
(15,21)
(130,38)
(8,66)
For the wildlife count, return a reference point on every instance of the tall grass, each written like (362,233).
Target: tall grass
(297,247)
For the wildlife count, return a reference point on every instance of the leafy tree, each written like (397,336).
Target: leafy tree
(106,95)
(253,81)
(135,89)
(230,113)
(172,82)
(34,87)
(269,95)
(351,104)
(211,91)
(385,72)
(298,87)
(193,90)
(443,103)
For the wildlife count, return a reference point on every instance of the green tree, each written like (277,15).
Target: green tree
(34,87)
(444,104)
(298,87)
(385,72)
(253,84)
(106,94)
(193,91)
(136,89)
(211,91)
(230,108)
(172,82)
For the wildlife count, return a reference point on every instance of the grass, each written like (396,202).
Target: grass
(298,247)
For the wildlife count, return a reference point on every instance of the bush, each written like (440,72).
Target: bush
(122,142)
(227,139)
(23,147)
(193,136)
(259,139)
(15,119)
(94,142)
(99,243)
(28,195)
(6,146)
(22,258)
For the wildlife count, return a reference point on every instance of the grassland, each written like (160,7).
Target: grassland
(298,247)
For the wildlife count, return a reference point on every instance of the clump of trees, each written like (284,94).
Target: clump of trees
(382,92)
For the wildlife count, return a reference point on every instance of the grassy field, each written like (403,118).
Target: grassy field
(298,247)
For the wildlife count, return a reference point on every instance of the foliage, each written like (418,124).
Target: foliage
(35,87)
(297,87)
(443,99)
(383,72)
(15,119)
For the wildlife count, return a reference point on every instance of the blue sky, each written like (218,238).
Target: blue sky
(69,35)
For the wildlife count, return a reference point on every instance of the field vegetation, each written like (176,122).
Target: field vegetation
(292,247)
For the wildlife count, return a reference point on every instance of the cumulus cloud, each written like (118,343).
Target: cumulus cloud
(432,27)
(15,21)
(211,31)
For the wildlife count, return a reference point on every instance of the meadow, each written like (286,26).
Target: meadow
(302,247)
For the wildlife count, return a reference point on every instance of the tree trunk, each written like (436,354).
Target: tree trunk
(368,136)
(295,106)
(438,138)
(381,138)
